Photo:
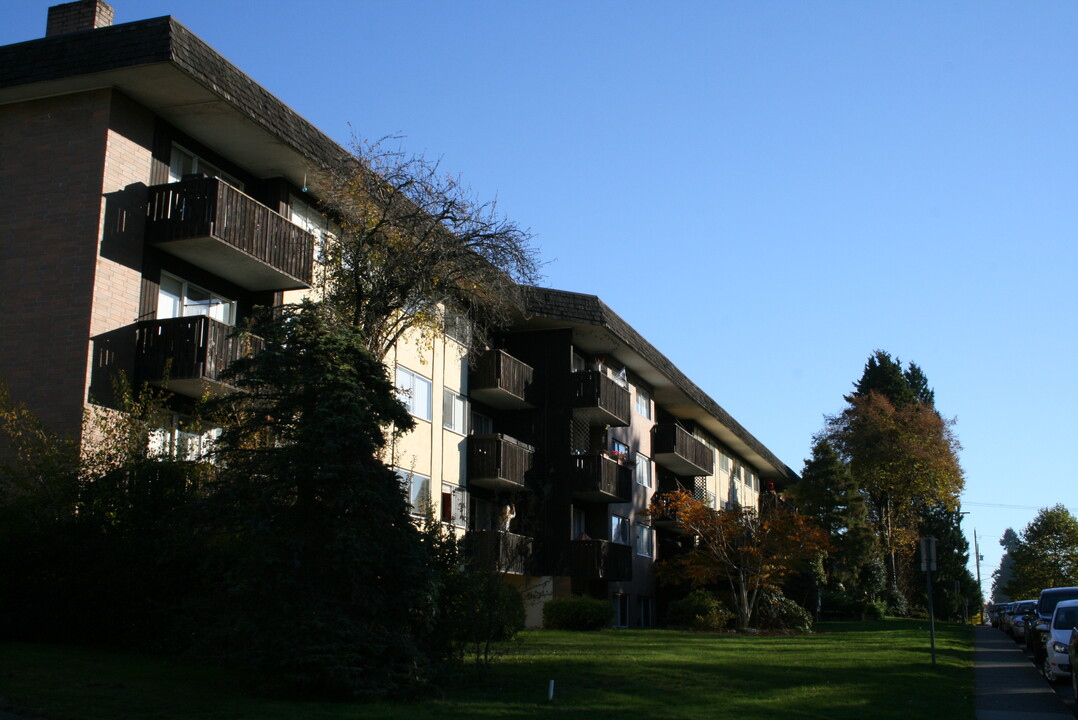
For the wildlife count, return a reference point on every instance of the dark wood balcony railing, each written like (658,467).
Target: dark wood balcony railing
(188,355)
(501,381)
(497,551)
(599,399)
(675,448)
(498,462)
(600,560)
(211,224)
(600,478)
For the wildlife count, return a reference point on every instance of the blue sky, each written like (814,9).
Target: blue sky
(767,191)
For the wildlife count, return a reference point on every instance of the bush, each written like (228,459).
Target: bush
(875,610)
(775,611)
(699,610)
(578,612)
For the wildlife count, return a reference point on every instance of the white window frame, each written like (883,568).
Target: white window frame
(199,165)
(643,403)
(644,541)
(408,480)
(225,308)
(458,505)
(407,382)
(642,474)
(452,420)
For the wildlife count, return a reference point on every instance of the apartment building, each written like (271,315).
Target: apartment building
(162,194)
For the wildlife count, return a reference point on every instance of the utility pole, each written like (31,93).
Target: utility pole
(977,556)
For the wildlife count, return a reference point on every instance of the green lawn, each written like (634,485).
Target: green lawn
(847,670)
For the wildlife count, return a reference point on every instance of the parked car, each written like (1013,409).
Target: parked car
(1005,617)
(1021,609)
(993,614)
(1038,620)
(1057,663)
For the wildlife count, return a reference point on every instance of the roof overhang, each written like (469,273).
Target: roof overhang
(166,68)
(597,330)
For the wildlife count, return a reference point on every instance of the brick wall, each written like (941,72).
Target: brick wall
(50,214)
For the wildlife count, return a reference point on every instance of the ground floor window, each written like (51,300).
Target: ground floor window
(645,608)
(621,610)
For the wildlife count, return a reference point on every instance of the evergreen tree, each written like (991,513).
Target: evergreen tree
(329,579)
(1003,574)
(954,588)
(903,456)
(884,375)
(828,494)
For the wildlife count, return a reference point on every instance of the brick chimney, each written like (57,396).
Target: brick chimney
(80,15)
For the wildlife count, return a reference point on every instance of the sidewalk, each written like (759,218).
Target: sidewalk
(1007,685)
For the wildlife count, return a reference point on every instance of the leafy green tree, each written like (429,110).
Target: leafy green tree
(328,578)
(1045,553)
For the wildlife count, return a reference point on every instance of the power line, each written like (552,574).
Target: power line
(1007,507)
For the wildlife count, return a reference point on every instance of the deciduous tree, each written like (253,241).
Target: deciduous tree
(409,240)
(744,548)
(902,453)
(1045,553)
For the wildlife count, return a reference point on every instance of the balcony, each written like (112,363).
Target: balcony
(501,381)
(599,400)
(600,560)
(668,518)
(498,462)
(214,226)
(188,355)
(600,478)
(497,551)
(677,450)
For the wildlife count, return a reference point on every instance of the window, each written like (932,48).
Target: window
(619,450)
(417,489)
(619,529)
(184,162)
(644,541)
(454,505)
(481,424)
(642,471)
(458,327)
(454,412)
(752,480)
(579,527)
(724,460)
(482,515)
(179,298)
(177,438)
(643,402)
(643,617)
(621,610)
(578,362)
(414,391)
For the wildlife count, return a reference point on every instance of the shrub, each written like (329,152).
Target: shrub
(875,609)
(775,611)
(577,613)
(699,610)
